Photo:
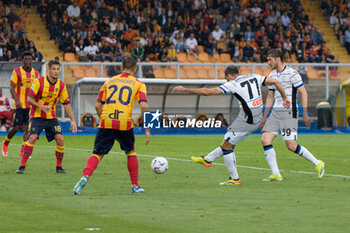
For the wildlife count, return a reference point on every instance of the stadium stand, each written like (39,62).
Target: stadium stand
(13,34)
(222,29)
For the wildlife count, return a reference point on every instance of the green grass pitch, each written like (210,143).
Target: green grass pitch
(187,198)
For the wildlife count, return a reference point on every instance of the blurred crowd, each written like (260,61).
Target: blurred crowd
(338,14)
(99,30)
(13,37)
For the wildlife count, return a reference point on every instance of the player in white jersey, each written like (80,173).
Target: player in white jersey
(285,120)
(247,89)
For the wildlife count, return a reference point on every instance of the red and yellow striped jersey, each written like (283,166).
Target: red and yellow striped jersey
(22,81)
(119,94)
(46,93)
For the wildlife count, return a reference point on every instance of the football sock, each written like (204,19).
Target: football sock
(230,161)
(133,167)
(22,149)
(7,141)
(91,165)
(59,155)
(27,151)
(270,155)
(303,152)
(215,154)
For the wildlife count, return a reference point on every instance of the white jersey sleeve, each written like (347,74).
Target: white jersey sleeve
(296,79)
(229,87)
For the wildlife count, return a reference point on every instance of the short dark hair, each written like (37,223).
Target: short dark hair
(26,53)
(129,63)
(275,53)
(232,70)
(52,62)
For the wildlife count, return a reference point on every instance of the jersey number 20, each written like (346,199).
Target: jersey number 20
(120,96)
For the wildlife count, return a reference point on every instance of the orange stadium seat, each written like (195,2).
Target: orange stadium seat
(225,57)
(183,73)
(168,73)
(90,72)
(70,57)
(182,57)
(79,73)
(191,74)
(201,48)
(204,57)
(203,74)
(158,73)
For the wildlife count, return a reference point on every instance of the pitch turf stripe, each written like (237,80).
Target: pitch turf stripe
(187,160)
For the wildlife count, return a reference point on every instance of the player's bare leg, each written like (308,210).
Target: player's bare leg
(27,151)
(25,139)
(303,152)
(270,155)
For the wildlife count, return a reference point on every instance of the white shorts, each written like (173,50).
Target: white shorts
(284,123)
(240,129)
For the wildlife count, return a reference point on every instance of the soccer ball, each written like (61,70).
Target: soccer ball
(159,165)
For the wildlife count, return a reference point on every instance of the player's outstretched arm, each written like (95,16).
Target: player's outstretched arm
(304,100)
(68,109)
(277,84)
(144,108)
(198,91)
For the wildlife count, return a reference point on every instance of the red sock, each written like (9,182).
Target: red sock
(22,149)
(91,165)
(27,151)
(7,141)
(133,167)
(59,155)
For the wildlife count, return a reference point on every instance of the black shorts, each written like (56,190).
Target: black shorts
(105,138)
(20,116)
(51,126)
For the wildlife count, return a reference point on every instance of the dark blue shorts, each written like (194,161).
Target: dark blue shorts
(51,127)
(105,138)
(20,116)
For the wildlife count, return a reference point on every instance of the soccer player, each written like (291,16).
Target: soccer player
(285,120)
(5,111)
(21,81)
(247,89)
(43,96)
(114,106)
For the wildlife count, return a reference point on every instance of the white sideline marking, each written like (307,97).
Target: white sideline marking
(187,160)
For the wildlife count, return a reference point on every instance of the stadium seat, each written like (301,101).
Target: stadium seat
(245,69)
(201,48)
(70,57)
(191,74)
(203,74)
(78,73)
(182,57)
(217,57)
(159,73)
(168,73)
(192,59)
(183,73)
(90,72)
(204,57)
(225,57)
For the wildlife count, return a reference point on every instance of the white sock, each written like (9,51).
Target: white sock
(215,154)
(270,155)
(303,152)
(230,161)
